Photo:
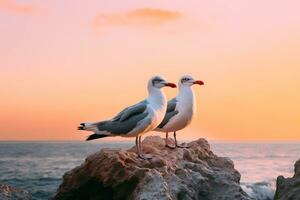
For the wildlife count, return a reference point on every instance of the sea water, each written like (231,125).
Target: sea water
(38,166)
(260,163)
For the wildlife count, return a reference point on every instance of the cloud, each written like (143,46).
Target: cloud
(14,7)
(138,17)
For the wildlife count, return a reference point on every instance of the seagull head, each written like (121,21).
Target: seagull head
(160,82)
(188,81)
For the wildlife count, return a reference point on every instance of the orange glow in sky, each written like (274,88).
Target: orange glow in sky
(66,62)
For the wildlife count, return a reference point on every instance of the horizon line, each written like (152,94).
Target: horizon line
(129,141)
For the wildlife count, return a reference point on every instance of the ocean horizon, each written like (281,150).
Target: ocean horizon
(38,166)
(126,140)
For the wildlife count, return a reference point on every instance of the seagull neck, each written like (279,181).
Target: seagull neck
(187,93)
(156,97)
(186,100)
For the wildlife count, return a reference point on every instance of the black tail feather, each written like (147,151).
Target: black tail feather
(81,127)
(95,136)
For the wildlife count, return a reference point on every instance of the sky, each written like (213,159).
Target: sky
(66,62)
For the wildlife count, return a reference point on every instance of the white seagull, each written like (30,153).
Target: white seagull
(180,110)
(136,120)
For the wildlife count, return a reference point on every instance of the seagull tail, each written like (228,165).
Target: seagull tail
(88,127)
(93,127)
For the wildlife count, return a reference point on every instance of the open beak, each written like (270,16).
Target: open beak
(199,82)
(172,85)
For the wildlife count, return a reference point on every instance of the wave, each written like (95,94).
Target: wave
(259,190)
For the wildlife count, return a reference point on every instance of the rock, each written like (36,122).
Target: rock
(289,188)
(183,174)
(11,193)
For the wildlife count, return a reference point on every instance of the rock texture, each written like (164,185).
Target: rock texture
(289,188)
(193,173)
(11,193)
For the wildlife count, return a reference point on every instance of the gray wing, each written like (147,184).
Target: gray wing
(130,111)
(171,112)
(126,120)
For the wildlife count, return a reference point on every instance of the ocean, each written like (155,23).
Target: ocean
(38,166)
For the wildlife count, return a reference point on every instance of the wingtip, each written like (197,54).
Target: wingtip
(91,137)
(95,136)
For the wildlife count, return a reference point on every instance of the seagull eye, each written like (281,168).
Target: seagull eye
(156,81)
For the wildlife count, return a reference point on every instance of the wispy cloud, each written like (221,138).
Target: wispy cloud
(137,17)
(15,7)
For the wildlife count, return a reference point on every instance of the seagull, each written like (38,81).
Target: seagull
(180,110)
(136,120)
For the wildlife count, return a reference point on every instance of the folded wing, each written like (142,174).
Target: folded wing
(125,121)
(171,112)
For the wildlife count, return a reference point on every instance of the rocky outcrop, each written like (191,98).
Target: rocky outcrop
(289,188)
(193,173)
(11,193)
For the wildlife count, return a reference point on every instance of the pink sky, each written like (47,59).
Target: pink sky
(58,58)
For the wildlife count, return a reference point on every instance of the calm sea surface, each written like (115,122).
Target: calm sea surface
(38,166)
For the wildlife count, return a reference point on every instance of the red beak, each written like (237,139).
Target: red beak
(199,82)
(172,85)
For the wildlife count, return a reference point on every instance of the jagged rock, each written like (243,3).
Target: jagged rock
(11,193)
(193,173)
(289,188)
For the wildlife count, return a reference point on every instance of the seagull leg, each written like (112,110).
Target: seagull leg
(140,144)
(143,156)
(167,145)
(176,144)
(138,147)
